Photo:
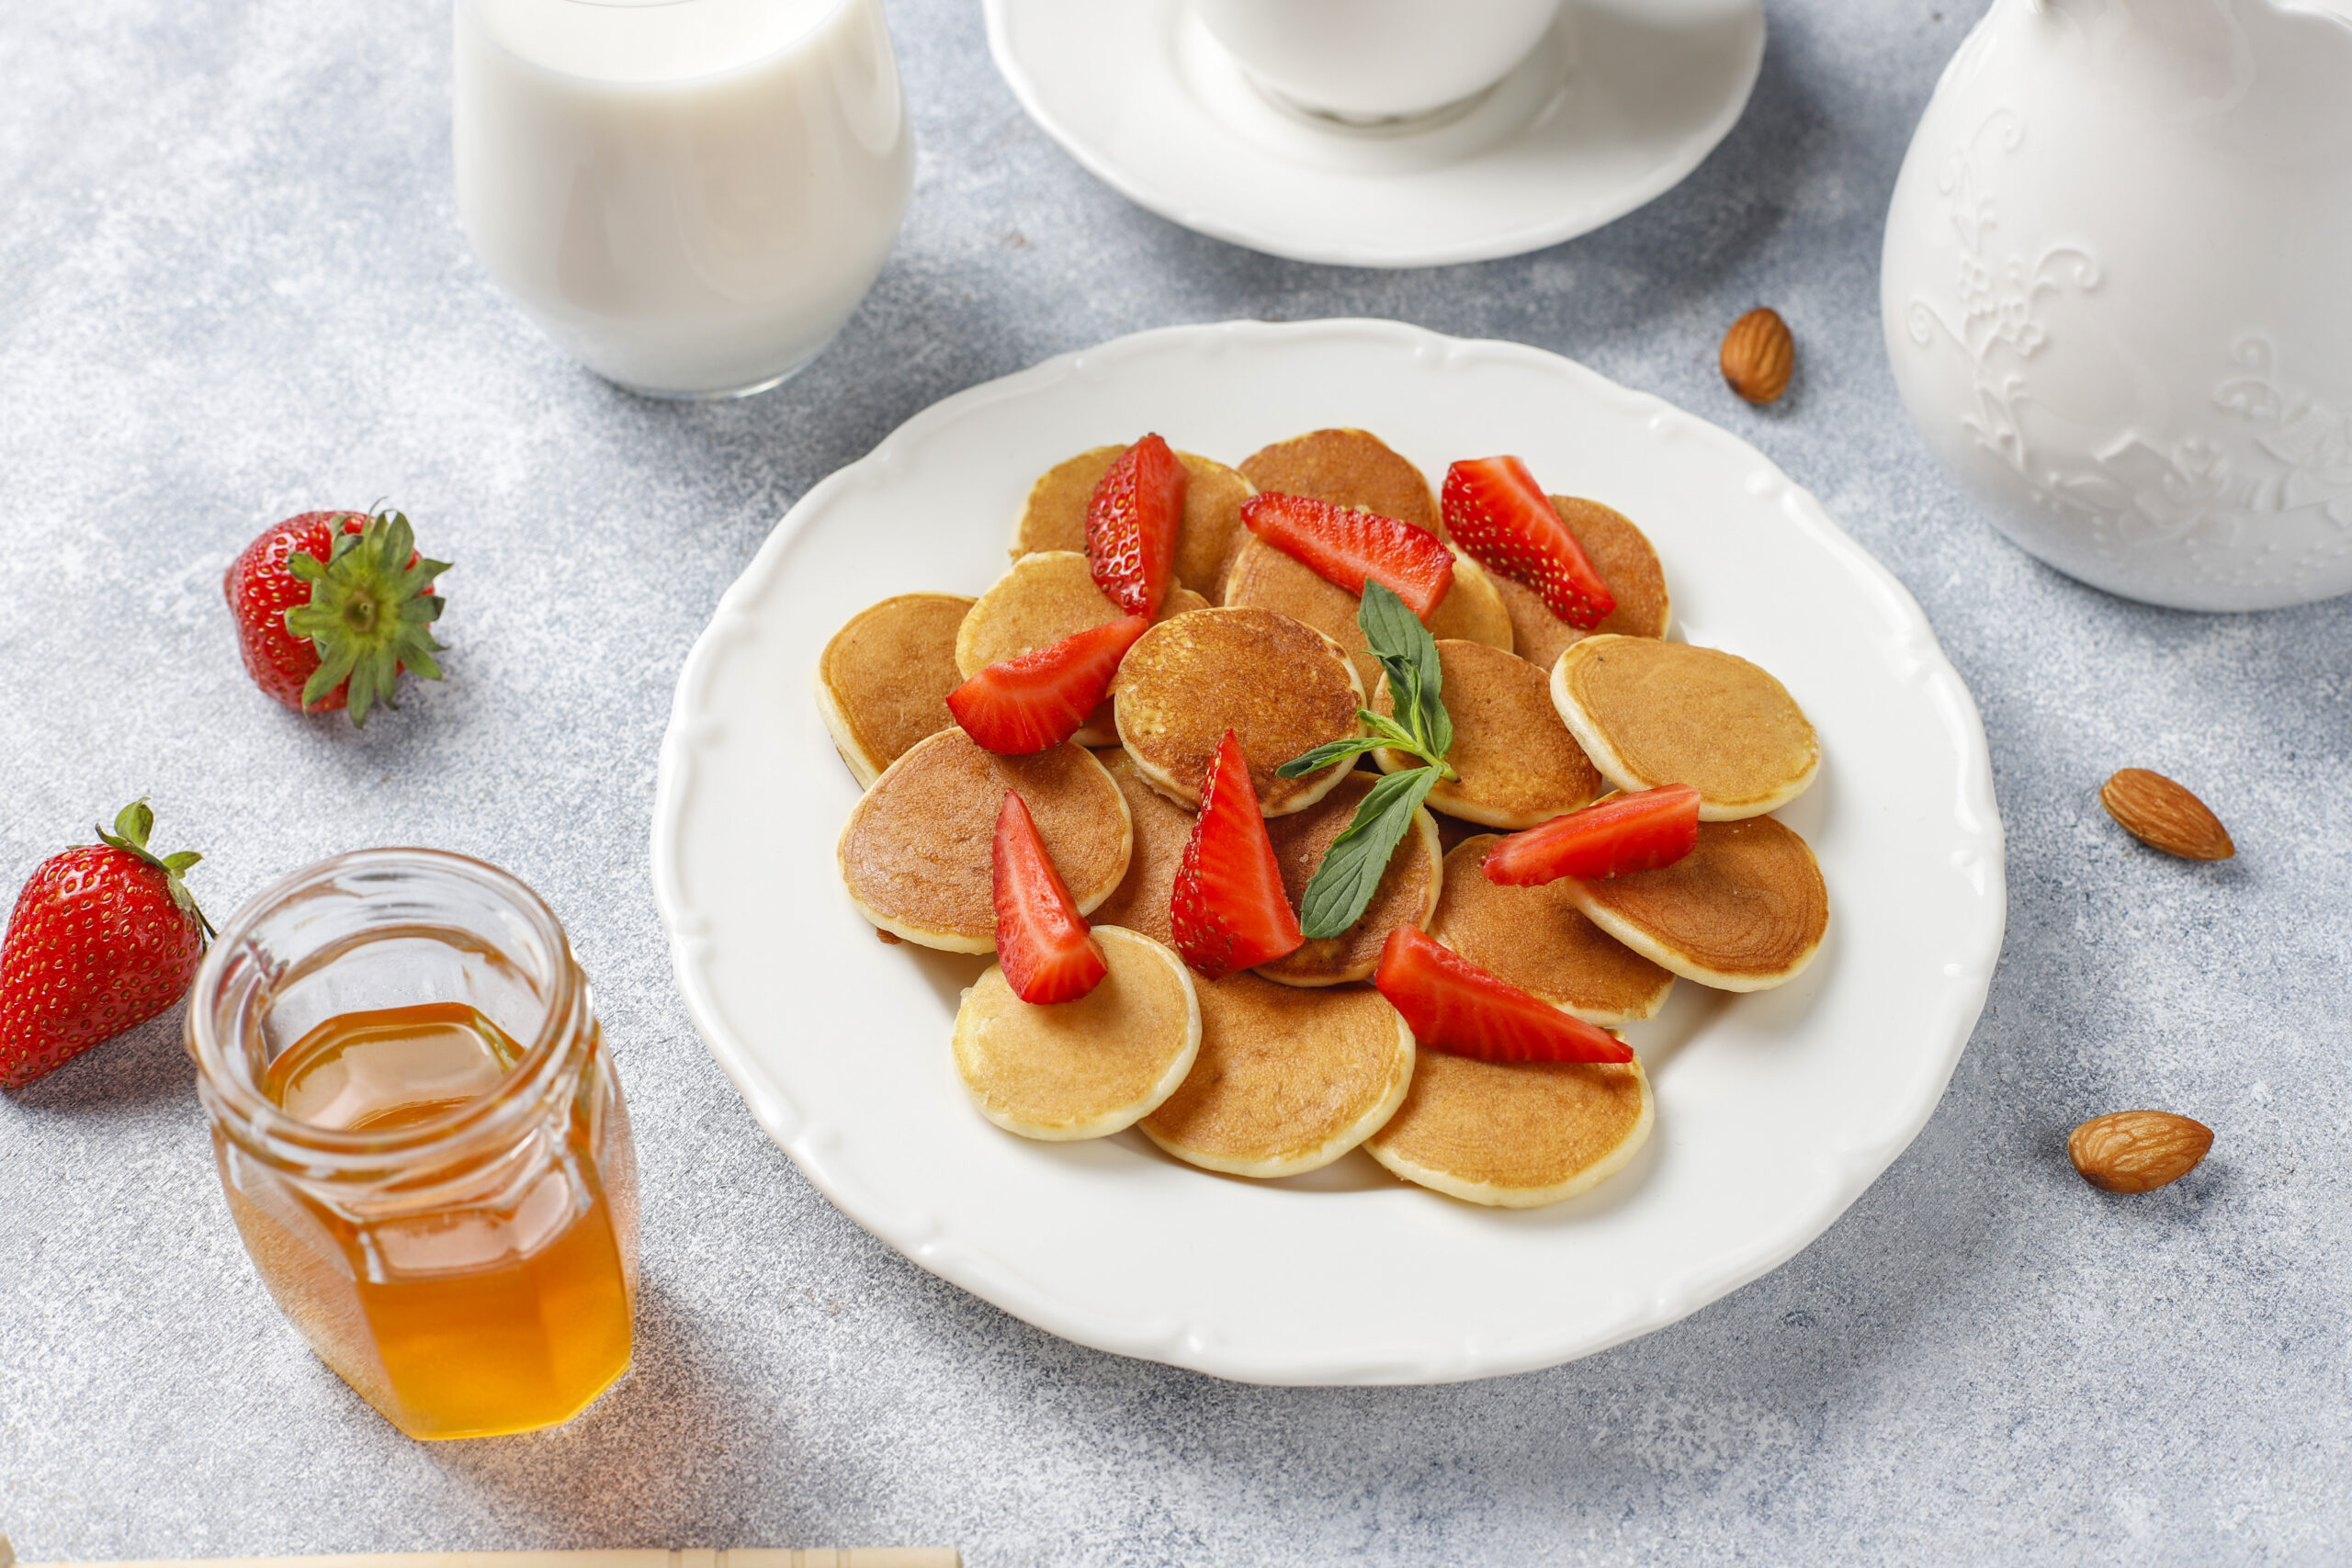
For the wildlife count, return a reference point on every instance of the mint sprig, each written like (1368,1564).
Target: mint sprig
(1416,684)
(1343,884)
(1351,873)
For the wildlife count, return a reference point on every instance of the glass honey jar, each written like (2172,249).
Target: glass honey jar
(420,1138)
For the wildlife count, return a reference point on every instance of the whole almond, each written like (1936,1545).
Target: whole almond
(2138,1151)
(1760,356)
(2164,816)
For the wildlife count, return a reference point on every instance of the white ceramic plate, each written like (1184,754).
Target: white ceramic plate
(1611,111)
(1774,1110)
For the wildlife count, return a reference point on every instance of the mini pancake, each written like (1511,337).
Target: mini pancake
(917,853)
(1744,910)
(1039,601)
(1649,712)
(1086,1068)
(1515,1134)
(1406,896)
(1518,764)
(1162,829)
(1054,518)
(1537,939)
(1281,687)
(1346,468)
(882,682)
(1626,560)
(1272,578)
(1287,1080)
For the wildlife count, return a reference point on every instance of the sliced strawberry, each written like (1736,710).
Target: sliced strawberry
(1041,939)
(1345,546)
(1625,833)
(1041,698)
(1495,510)
(1131,526)
(1228,908)
(1452,1005)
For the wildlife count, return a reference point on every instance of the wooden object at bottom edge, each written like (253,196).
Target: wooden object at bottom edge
(855,1557)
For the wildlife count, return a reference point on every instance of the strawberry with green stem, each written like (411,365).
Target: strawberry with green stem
(104,936)
(331,606)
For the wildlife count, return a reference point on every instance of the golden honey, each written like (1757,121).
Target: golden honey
(447,1212)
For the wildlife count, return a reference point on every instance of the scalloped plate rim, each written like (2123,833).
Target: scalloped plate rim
(1848,1173)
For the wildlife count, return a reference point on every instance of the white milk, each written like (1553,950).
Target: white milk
(692,195)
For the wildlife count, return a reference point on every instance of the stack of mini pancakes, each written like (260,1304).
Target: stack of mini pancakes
(1279,1070)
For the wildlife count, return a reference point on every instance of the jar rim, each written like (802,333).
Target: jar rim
(240,1108)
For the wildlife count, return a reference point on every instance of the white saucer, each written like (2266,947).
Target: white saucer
(1614,107)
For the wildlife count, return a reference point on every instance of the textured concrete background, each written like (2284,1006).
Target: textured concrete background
(234,288)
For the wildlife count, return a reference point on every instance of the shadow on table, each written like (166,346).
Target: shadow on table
(147,1067)
(1731,1401)
(647,1461)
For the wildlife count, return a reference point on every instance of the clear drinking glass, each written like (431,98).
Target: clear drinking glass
(420,1138)
(689,196)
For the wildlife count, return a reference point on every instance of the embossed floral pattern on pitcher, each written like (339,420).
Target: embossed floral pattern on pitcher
(2118,291)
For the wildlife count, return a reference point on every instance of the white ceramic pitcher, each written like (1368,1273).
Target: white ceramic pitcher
(2117,291)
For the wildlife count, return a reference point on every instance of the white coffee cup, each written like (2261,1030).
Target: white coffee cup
(1375,60)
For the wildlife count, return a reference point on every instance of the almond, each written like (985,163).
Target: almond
(2138,1151)
(2164,816)
(1760,356)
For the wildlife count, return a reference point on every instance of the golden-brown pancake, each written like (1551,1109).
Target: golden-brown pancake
(918,854)
(1269,578)
(1627,563)
(1040,600)
(1346,468)
(1086,1069)
(1537,939)
(1518,764)
(1744,910)
(882,682)
(1515,1134)
(1162,829)
(1055,516)
(1649,712)
(1286,1080)
(1282,688)
(1407,894)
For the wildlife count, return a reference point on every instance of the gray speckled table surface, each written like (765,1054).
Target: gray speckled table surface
(234,288)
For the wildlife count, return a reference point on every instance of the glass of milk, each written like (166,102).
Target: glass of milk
(689,196)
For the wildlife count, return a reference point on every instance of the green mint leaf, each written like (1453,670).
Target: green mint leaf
(1392,630)
(1416,678)
(1436,724)
(1353,867)
(1331,751)
(1388,732)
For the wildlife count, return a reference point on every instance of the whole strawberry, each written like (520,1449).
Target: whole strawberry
(331,606)
(103,937)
